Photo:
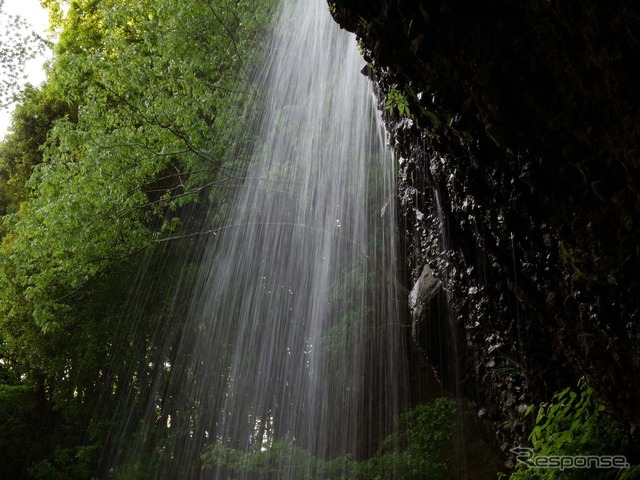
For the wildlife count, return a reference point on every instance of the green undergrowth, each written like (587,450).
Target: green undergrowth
(416,450)
(574,424)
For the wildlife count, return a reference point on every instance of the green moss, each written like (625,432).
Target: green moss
(568,259)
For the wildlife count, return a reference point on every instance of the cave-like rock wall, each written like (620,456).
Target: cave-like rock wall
(519,189)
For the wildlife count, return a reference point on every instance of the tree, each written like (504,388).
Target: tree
(155,86)
(131,130)
(21,151)
(19,45)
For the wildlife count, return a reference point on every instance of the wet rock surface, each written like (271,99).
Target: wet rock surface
(519,188)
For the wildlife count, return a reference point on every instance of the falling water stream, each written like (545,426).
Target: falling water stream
(293,335)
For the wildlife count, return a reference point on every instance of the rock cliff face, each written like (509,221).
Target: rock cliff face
(520,191)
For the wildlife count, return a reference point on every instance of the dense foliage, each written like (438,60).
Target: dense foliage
(575,424)
(102,168)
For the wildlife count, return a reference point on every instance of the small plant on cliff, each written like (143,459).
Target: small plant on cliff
(397,101)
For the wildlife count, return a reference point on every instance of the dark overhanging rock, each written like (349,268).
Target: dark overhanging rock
(424,292)
(429,325)
(522,159)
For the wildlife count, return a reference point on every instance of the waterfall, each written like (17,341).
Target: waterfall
(293,338)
